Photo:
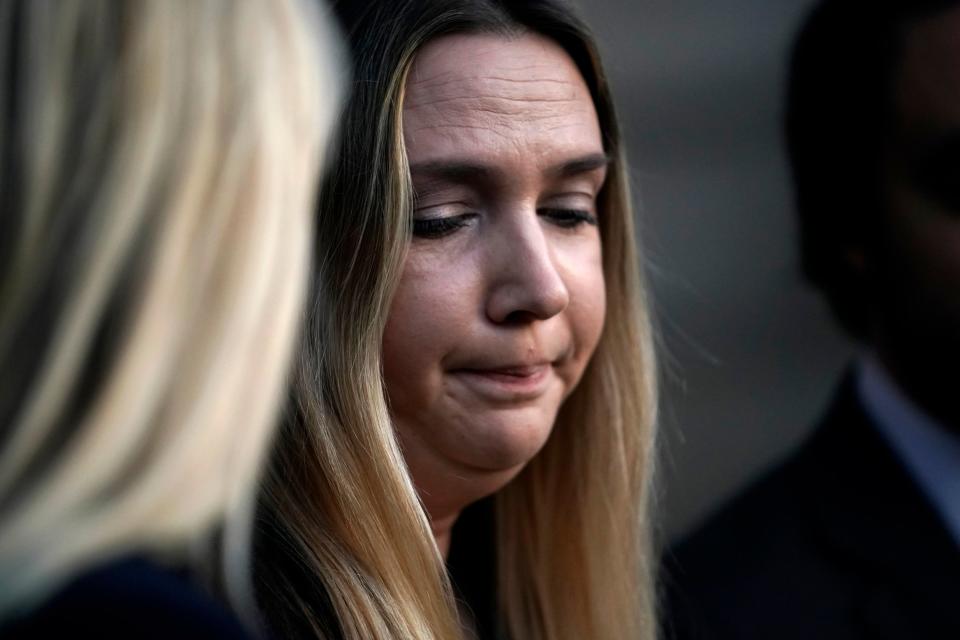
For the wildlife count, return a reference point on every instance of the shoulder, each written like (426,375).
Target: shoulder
(766,557)
(755,548)
(131,597)
(783,506)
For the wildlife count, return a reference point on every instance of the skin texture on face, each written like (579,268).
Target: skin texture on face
(918,316)
(501,302)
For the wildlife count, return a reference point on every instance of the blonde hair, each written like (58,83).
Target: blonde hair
(159,162)
(345,546)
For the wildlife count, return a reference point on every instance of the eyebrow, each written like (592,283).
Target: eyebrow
(585,164)
(470,172)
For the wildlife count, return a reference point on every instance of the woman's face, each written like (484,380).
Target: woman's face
(501,301)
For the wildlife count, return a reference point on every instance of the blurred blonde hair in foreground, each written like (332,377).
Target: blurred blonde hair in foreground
(158,161)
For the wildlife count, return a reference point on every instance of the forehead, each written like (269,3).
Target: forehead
(493,94)
(928,78)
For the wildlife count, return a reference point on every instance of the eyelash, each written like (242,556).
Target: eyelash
(569,218)
(440,227)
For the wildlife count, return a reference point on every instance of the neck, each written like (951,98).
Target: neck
(442,527)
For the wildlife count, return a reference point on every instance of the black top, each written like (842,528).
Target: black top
(129,598)
(472,565)
(836,543)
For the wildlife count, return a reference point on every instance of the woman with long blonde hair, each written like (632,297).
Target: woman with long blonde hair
(158,168)
(468,450)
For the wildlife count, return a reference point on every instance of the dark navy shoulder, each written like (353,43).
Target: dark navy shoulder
(131,598)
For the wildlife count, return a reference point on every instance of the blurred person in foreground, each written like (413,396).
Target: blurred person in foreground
(856,535)
(158,162)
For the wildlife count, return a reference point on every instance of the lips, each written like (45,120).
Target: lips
(511,383)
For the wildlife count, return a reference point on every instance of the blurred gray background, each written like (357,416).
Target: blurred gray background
(749,352)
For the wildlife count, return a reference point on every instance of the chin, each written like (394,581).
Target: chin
(474,454)
(506,446)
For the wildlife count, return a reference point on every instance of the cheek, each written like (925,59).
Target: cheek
(428,317)
(925,241)
(406,348)
(920,273)
(935,254)
(593,311)
(588,307)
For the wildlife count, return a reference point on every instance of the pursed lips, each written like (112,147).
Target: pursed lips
(514,371)
(508,382)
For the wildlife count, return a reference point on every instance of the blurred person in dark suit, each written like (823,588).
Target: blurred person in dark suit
(856,535)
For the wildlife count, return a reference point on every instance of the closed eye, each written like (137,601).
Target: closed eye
(439,227)
(568,218)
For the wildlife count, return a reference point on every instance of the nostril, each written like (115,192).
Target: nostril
(520,317)
(526,302)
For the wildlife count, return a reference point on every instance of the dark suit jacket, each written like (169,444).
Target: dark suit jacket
(838,542)
(128,598)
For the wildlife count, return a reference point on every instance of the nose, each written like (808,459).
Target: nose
(525,280)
